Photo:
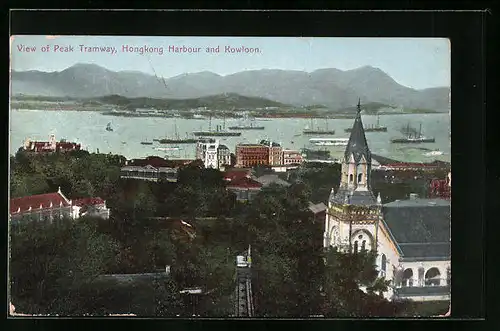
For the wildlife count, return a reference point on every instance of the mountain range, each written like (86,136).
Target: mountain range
(330,87)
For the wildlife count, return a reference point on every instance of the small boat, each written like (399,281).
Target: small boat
(124,142)
(146,143)
(434,153)
(108,127)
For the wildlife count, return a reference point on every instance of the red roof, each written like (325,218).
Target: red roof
(88,201)
(235,174)
(154,161)
(35,201)
(244,182)
(158,162)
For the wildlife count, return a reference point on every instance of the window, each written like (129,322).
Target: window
(383,265)
(350,178)
(433,277)
(407,278)
(363,245)
(448,276)
(360,176)
(355,246)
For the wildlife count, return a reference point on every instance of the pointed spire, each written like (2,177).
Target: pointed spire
(59,190)
(357,145)
(379,199)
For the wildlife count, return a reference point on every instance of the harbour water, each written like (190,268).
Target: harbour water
(89,129)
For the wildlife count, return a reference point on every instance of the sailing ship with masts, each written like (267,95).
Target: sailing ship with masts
(318,131)
(373,128)
(177,139)
(412,136)
(250,126)
(108,127)
(220,131)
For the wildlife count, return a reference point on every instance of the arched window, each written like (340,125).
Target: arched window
(363,245)
(383,265)
(407,278)
(355,246)
(433,277)
(448,276)
(351,178)
(360,176)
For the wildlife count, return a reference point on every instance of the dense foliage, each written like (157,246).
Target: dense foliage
(54,267)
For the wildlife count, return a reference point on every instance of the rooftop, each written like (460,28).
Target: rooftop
(418,202)
(267,180)
(420,226)
(88,201)
(244,182)
(317,208)
(21,205)
(356,197)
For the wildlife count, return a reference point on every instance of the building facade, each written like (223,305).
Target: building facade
(91,207)
(50,146)
(412,237)
(51,207)
(213,154)
(152,168)
(291,157)
(251,155)
(41,208)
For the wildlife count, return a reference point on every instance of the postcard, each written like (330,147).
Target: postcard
(229,177)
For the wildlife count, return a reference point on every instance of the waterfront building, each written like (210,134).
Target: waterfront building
(213,154)
(50,146)
(251,155)
(292,157)
(411,237)
(223,157)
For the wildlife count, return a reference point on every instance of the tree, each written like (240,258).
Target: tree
(51,263)
(345,274)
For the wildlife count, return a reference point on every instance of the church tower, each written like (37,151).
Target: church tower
(354,213)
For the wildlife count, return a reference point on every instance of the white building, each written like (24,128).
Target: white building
(411,237)
(213,154)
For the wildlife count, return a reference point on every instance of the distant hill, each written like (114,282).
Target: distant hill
(226,101)
(333,88)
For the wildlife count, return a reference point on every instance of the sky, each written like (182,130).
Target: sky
(413,62)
